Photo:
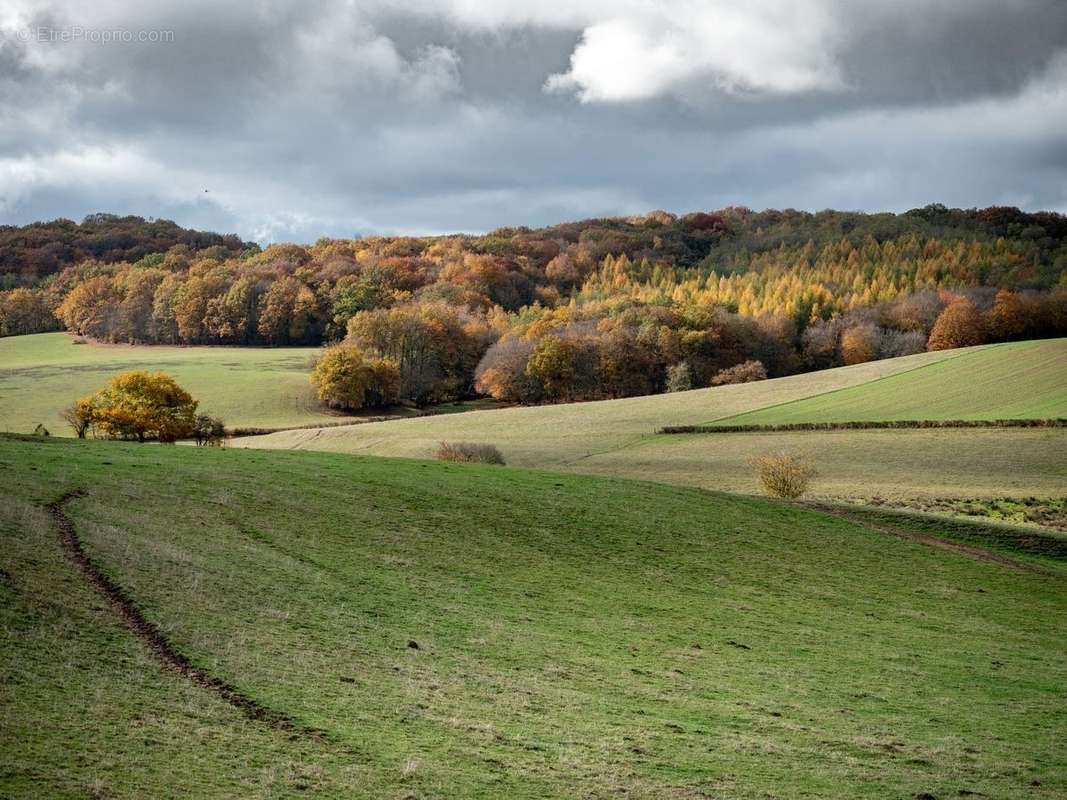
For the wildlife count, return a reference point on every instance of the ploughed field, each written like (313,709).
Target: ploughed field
(419,629)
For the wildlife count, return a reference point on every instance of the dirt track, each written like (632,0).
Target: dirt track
(149,634)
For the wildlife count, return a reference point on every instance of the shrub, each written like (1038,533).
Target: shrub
(79,415)
(783,474)
(679,377)
(208,431)
(741,373)
(468,453)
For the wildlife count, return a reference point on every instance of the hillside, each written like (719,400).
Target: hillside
(619,437)
(562,434)
(589,310)
(440,630)
(34,251)
(1025,380)
(42,374)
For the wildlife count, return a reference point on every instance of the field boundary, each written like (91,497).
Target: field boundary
(828,392)
(149,634)
(984,541)
(1059,422)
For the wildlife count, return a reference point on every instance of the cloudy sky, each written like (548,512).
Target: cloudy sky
(426,116)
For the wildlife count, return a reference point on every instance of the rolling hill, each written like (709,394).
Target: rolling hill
(619,437)
(1019,380)
(426,629)
(43,373)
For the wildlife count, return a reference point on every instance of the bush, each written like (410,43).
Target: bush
(679,377)
(784,475)
(741,373)
(79,415)
(469,453)
(208,431)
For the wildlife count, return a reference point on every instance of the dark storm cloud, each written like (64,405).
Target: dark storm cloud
(438,116)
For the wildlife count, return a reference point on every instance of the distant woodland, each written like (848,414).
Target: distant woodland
(583,310)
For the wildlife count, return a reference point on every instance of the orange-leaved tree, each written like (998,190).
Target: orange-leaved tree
(142,405)
(960,325)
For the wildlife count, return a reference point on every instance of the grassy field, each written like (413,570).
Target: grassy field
(1020,380)
(891,464)
(577,637)
(618,437)
(560,435)
(42,374)
(263,387)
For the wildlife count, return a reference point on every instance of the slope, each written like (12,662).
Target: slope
(482,632)
(43,373)
(1020,380)
(551,436)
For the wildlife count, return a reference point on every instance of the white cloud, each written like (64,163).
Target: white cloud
(684,47)
(340,50)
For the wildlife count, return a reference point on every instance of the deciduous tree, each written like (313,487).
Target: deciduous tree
(144,405)
(960,325)
(344,378)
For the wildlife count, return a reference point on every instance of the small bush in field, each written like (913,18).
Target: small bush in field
(208,431)
(747,372)
(468,453)
(784,475)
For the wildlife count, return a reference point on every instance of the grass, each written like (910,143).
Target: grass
(888,464)
(1020,380)
(618,438)
(43,373)
(577,636)
(559,436)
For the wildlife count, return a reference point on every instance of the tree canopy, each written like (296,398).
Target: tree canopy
(590,309)
(139,406)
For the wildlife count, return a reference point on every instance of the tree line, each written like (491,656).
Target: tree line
(584,310)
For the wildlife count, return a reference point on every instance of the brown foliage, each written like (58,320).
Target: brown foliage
(469,453)
(746,372)
(1007,318)
(783,474)
(960,325)
(859,344)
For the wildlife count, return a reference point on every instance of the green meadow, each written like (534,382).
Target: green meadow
(1018,380)
(619,438)
(469,631)
(42,374)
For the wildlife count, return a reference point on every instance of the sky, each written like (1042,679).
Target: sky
(289,121)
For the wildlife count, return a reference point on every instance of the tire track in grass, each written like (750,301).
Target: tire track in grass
(151,636)
(900,531)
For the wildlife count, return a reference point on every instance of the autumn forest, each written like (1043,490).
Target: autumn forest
(585,310)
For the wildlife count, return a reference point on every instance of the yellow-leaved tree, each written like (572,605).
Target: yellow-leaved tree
(140,406)
(346,379)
